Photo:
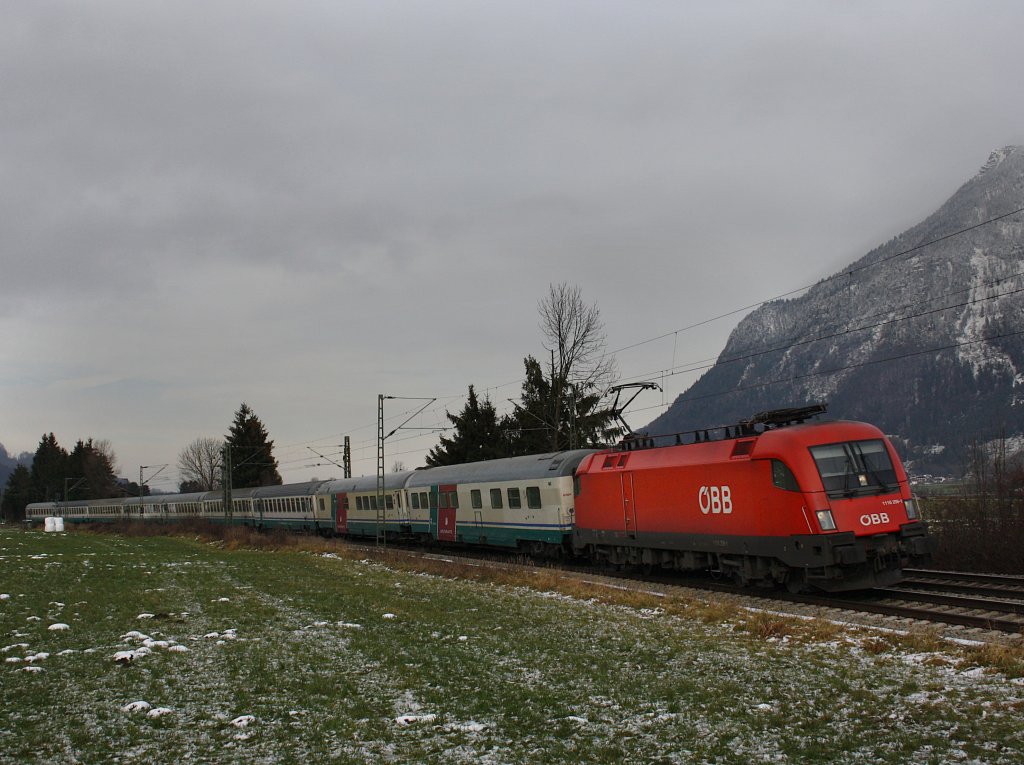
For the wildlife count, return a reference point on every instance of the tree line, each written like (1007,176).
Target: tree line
(88,470)
(559,408)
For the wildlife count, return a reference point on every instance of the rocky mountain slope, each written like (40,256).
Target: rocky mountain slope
(921,336)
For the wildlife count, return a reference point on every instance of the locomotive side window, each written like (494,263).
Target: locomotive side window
(476,500)
(496,499)
(415,501)
(783,477)
(855,467)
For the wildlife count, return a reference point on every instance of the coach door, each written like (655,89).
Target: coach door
(447,508)
(341,513)
(628,505)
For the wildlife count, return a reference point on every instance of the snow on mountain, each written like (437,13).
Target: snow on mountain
(920,335)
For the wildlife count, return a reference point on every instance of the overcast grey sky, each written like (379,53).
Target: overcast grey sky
(301,205)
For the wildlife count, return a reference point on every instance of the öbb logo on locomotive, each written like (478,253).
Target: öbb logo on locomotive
(715,500)
(874,519)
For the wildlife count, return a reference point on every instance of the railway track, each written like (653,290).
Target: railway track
(985,602)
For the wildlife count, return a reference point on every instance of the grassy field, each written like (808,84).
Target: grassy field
(245,656)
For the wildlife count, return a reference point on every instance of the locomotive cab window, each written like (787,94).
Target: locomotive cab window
(855,468)
(783,477)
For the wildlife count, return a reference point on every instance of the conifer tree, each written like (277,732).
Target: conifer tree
(478,435)
(91,469)
(17,494)
(252,453)
(49,469)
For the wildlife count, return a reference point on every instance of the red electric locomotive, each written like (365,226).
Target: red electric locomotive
(774,501)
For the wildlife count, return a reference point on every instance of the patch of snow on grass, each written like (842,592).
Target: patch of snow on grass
(243,721)
(137,706)
(410,719)
(58,627)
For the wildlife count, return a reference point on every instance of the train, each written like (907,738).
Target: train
(776,501)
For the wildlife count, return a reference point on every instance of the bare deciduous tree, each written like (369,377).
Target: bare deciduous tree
(566,402)
(199,464)
(574,336)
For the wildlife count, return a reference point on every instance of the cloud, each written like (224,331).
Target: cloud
(305,205)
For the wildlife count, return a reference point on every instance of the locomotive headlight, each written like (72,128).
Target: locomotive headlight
(825,520)
(911,506)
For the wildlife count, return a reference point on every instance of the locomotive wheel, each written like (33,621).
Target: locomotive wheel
(795,583)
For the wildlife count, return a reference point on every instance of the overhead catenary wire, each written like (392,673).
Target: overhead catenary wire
(844,273)
(440,411)
(709,363)
(855,365)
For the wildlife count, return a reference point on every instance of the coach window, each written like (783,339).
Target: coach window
(415,501)
(533,497)
(476,500)
(514,501)
(453,500)
(373,501)
(496,499)
(783,477)
(390,502)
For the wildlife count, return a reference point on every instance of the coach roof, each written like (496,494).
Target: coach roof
(530,467)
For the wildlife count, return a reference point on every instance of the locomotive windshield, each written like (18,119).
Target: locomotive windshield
(855,468)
